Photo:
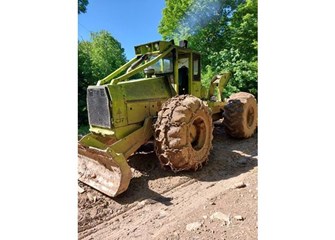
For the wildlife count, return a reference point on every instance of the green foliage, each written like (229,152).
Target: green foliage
(202,22)
(106,54)
(168,24)
(224,31)
(96,59)
(244,76)
(243,30)
(82,5)
(85,78)
(83,130)
(206,76)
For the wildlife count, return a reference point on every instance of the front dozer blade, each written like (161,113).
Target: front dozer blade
(105,171)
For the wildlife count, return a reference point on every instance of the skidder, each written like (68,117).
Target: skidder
(169,105)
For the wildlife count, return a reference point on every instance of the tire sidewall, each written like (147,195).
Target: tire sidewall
(198,155)
(250,106)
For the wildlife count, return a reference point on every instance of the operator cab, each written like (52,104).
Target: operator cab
(188,74)
(181,66)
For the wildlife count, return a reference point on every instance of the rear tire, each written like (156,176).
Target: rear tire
(183,133)
(240,115)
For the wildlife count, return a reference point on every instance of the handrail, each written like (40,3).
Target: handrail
(116,72)
(133,71)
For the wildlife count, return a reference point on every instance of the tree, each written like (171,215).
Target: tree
(84,79)
(224,31)
(169,24)
(240,56)
(96,59)
(106,54)
(244,72)
(243,30)
(82,4)
(202,22)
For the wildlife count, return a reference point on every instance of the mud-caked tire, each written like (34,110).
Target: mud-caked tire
(240,115)
(183,133)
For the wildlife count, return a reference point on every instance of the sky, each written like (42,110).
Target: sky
(131,22)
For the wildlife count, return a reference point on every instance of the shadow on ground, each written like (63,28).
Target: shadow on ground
(229,158)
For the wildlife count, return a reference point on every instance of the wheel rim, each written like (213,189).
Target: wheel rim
(250,117)
(198,134)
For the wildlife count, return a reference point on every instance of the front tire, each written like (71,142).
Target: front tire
(183,133)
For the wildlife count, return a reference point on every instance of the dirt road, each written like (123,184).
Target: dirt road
(217,202)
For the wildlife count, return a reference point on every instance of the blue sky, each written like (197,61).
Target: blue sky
(131,22)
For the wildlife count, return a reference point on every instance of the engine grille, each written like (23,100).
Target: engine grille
(98,106)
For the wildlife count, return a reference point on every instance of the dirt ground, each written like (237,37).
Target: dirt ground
(217,202)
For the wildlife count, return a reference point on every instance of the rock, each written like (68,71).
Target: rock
(81,190)
(239,217)
(90,197)
(204,217)
(212,203)
(142,203)
(242,160)
(239,185)
(193,226)
(162,214)
(220,216)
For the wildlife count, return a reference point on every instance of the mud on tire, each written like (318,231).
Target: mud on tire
(183,133)
(240,115)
